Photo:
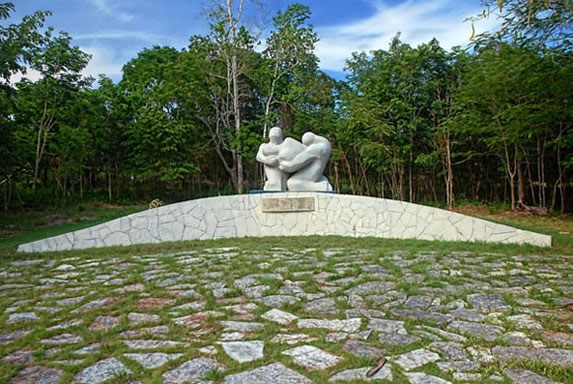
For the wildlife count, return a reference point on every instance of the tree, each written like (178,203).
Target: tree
(113,112)
(538,24)
(160,138)
(17,44)
(290,48)
(223,59)
(44,101)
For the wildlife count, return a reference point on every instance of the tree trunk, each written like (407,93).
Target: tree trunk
(520,185)
(449,175)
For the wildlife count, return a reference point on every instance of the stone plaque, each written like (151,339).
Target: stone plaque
(289,204)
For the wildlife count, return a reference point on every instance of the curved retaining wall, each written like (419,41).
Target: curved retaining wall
(243,216)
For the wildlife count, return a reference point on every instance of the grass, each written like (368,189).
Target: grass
(346,264)
(23,227)
(18,228)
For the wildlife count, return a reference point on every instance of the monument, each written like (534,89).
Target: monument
(300,208)
(294,166)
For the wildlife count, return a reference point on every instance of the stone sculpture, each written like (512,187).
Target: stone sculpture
(295,166)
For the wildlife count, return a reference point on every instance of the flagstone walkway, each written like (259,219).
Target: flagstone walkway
(232,316)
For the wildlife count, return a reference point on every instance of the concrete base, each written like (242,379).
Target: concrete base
(331,214)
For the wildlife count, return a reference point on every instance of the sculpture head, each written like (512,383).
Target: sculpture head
(276,135)
(308,138)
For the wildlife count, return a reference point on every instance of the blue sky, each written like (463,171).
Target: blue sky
(114,31)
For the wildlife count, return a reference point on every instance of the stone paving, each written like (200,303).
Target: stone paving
(279,316)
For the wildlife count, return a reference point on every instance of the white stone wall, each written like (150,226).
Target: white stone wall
(241,216)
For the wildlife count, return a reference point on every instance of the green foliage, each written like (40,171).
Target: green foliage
(421,123)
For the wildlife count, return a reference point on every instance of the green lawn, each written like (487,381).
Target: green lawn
(19,228)
(190,289)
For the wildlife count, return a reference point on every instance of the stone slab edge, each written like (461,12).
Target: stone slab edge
(242,216)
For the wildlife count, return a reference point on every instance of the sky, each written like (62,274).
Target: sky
(114,31)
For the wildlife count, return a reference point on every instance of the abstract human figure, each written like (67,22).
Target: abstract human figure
(307,167)
(274,152)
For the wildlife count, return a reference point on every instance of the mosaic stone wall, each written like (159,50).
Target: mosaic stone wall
(287,214)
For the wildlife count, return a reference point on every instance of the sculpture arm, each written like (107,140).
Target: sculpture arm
(272,161)
(300,161)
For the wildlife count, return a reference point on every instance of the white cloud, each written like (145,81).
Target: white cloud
(106,8)
(121,35)
(104,61)
(31,75)
(418,21)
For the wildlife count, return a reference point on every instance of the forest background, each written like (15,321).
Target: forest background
(491,123)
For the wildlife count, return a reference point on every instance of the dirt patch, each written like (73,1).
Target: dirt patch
(52,220)
(153,302)
(55,220)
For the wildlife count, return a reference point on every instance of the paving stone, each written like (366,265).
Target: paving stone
(277,301)
(154,302)
(275,373)
(153,344)
(64,267)
(525,321)
(256,291)
(69,362)
(418,302)
(292,338)
(371,287)
(209,350)
(335,337)
(160,332)
(38,375)
(368,313)
(458,366)
(244,351)
(243,308)
(191,371)
(311,357)
(488,302)
(450,350)
(278,316)
(141,318)
(485,331)
(364,335)
(422,315)
(20,263)
(444,334)
(195,306)
(241,326)
(560,357)
(101,371)
(558,337)
(104,323)
(520,338)
(22,317)
(153,360)
(422,378)
(98,303)
(138,287)
(64,338)
(197,320)
(70,301)
(397,339)
(232,336)
(484,315)
(387,326)
(363,349)
(349,325)
(21,357)
(415,359)
(322,307)
(467,315)
(526,377)
(359,374)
